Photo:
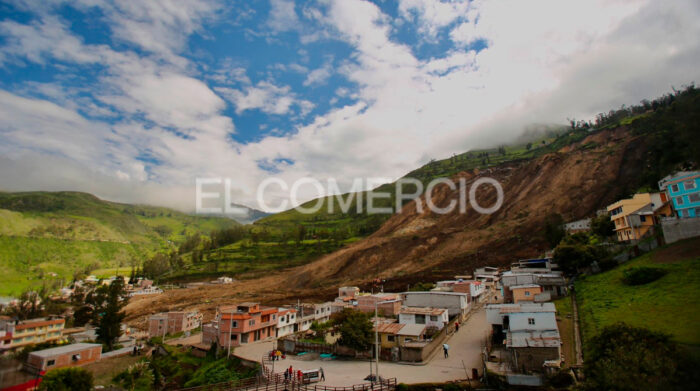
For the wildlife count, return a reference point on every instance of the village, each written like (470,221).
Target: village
(495,320)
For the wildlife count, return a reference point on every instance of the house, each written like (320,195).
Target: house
(683,189)
(173,322)
(393,335)
(29,332)
(583,225)
(223,280)
(456,303)
(286,321)
(534,265)
(529,333)
(429,317)
(636,217)
(348,291)
(473,288)
(525,292)
(240,325)
(63,356)
(554,283)
(387,304)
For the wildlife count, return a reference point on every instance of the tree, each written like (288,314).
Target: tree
(29,305)
(528,146)
(603,226)
(158,265)
(554,229)
(355,329)
(137,377)
(82,307)
(624,357)
(109,302)
(67,379)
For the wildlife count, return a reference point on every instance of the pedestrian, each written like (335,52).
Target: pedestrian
(278,354)
(445,348)
(323,375)
(299,375)
(456,327)
(291,373)
(286,376)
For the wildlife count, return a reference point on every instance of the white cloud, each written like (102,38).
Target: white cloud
(319,75)
(265,97)
(432,15)
(282,16)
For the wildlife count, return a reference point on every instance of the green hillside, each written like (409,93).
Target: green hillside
(668,305)
(46,237)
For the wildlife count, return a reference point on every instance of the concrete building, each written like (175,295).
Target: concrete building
(456,303)
(63,356)
(528,331)
(583,225)
(683,189)
(525,292)
(17,334)
(388,304)
(553,282)
(240,325)
(286,321)
(348,291)
(473,288)
(173,322)
(636,217)
(429,317)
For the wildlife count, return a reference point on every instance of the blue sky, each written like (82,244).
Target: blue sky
(134,100)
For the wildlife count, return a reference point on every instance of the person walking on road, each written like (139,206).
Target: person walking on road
(445,348)
(456,327)
(323,375)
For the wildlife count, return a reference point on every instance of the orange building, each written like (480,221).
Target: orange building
(636,217)
(525,292)
(241,324)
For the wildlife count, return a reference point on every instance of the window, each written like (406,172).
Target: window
(251,322)
(234,337)
(50,363)
(697,212)
(530,320)
(527,293)
(642,218)
(420,319)
(273,317)
(433,318)
(685,213)
(689,185)
(679,200)
(234,324)
(390,338)
(674,188)
(695,197)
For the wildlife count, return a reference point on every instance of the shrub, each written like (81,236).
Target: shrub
(67,379)
(642,275)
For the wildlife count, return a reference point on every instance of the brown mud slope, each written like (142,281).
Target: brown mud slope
(417,246)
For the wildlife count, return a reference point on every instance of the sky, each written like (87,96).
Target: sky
(134,100)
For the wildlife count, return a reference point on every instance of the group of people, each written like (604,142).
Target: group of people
(276,355)
(291,375)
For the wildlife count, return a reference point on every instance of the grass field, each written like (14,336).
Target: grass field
(669,304)
(565,323)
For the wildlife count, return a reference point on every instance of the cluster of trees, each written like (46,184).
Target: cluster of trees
(578,251)
(355,329)
(624,357)
(103,307)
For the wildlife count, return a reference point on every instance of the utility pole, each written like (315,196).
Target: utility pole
(230,326)
(376,336)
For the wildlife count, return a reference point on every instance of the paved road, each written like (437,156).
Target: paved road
(464,346)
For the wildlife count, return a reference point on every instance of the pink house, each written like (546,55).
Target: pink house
(241,324)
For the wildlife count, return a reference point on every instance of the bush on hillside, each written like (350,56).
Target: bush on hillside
(67,379)
(624,357)
(642,275)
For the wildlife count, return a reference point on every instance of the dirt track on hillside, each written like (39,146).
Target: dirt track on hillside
(412,247)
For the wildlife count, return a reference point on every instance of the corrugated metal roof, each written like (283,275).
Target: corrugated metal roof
(422,310)
(412,330)
(533,339)
(389,328)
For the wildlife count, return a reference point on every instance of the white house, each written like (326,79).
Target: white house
(286,320)
(456,303)
(522,316)
(430,317)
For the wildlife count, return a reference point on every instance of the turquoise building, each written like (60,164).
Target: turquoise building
(683,189)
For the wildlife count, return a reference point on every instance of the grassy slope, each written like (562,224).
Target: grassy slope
(669,305)
(43,233)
